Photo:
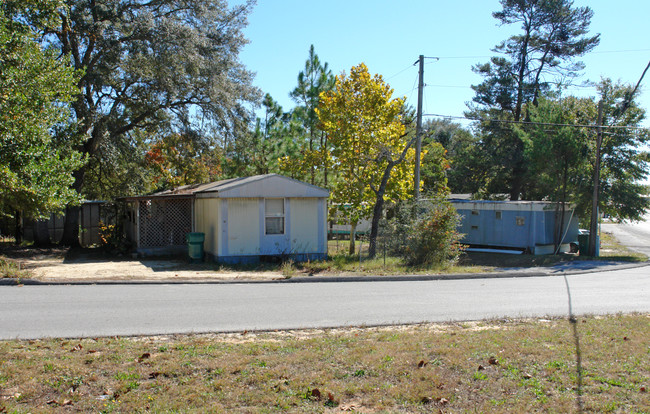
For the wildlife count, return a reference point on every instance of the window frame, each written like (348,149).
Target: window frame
(273,216)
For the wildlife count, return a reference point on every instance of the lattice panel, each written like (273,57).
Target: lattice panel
(165,222)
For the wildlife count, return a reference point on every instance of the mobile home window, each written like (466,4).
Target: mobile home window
(520,221)
(274,215)
(497,215)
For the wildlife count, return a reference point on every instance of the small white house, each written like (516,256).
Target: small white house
(243,219)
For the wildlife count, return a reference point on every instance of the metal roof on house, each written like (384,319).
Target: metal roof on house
(266,185)
(507,205)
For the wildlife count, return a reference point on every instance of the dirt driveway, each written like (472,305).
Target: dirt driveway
(60,265)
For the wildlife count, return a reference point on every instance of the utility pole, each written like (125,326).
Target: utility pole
(418,130)
(593,226)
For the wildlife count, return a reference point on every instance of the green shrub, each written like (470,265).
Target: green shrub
(425,234)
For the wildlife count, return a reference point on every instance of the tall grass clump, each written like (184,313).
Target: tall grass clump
(11,269)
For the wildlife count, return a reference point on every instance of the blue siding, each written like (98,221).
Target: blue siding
(511,224)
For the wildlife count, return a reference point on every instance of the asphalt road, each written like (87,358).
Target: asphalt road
(106,310)
(636,236)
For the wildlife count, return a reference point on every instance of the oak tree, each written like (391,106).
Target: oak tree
(149,63)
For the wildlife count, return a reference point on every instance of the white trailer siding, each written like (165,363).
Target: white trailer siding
(206,216)
(304,226)
(243,227)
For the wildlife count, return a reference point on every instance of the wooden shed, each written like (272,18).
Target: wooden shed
(524,225)
(243,219)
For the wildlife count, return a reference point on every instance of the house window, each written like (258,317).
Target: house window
(520,220)
(274,216)
(497,215)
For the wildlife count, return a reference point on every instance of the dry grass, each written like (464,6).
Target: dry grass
(11,269)
(498,366)
(470,262)
(338,263)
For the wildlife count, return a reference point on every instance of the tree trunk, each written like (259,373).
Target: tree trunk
(42,233)
(325,159)
(71,223)
(71,227)
(353,229)
(374,228)
(565,177)
(379,204)
(18,233)
(312,169)
(522,73)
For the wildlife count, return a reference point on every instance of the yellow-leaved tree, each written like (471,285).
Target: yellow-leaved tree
(368,147)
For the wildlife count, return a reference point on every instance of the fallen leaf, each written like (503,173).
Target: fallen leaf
(154,375)
(66,402)
(642,389)
(330,399)
(144,356)
(426,400)
(77,347)
(480,368)
(315,393)
(422,364)
(51,402)
(443,401)
(527,376)
(493,361)
(625,338)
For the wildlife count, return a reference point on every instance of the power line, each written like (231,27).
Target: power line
(490,56)
(469,87)
(400,72)
(505,121)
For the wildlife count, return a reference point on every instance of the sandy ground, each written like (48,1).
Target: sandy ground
(48,267)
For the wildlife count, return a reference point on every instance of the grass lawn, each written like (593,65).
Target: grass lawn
(516,366)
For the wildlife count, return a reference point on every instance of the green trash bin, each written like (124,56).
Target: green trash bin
(583,244)
(195,246)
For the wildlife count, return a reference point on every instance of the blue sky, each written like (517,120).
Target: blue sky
(388,36)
